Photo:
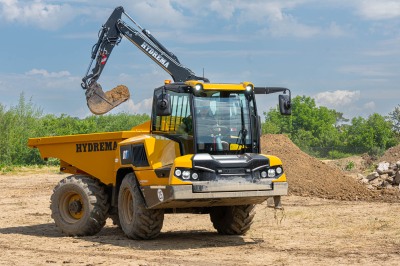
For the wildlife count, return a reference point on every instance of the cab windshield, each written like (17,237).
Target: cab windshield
(222,124)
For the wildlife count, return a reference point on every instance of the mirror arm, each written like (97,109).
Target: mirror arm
(269,90)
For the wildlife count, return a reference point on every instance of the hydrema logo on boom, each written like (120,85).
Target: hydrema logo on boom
(155,54)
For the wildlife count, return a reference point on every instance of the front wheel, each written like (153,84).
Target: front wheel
(135,219)
(79,205)
(232,220)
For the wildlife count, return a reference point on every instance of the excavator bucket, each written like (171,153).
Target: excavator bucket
(100,102)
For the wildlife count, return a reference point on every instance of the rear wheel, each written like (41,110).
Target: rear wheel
(79,205)
(232,220)
(135,219)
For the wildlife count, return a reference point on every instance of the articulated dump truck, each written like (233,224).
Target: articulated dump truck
(199,153)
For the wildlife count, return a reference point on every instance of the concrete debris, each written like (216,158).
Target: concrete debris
(372,176)
(387,175)
(383,168)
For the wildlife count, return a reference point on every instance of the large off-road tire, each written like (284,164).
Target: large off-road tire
(135,219)
(79,205)
(232,220)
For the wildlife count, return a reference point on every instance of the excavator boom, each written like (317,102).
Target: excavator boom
(110,35)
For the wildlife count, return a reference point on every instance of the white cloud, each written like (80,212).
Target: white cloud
(224,8)
(47,74)
(368,70)
(335,30)
(158,12)
(38,13)
(141,107)
(378,10)
(369,105)
(337,98)
(273,16)
(287,25)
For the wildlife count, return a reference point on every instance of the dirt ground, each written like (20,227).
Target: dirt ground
(309,231)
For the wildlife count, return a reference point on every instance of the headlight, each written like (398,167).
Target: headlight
(263,174)
(271,173)
(249,87)
(279,170)
(198,86)
(186,175)
(178,172)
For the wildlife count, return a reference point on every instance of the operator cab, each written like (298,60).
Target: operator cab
(218,119)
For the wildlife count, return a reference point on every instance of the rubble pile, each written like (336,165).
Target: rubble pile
(386,176)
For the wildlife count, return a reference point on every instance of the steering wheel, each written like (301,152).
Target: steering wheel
(218,129)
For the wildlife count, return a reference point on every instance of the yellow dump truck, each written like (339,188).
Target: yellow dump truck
(200,153)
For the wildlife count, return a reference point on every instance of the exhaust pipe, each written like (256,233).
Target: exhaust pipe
(100,103)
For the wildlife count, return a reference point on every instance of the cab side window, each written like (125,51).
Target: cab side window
(179,117)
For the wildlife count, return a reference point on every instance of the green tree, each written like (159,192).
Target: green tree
(309,126)
(116,122)
(373,135)
(395,119)
(16,125)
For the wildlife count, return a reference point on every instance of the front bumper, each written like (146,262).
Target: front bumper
(211,193)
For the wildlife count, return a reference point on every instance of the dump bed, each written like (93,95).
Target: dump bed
(94,154)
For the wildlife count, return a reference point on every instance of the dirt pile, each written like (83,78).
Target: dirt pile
(308,176)
(391,155)
(117,94)
(100,102)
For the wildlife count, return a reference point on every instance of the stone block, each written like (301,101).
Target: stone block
(396,179)
(372,176)
(383,167)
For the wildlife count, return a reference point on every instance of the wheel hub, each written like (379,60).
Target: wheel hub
(75,207)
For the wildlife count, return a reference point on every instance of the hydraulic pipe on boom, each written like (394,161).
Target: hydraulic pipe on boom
(110,35)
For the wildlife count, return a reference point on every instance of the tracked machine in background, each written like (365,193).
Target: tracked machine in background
(200,152)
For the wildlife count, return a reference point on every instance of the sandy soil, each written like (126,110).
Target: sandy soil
(310,231)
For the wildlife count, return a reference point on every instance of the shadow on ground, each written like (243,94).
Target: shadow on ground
(112,235)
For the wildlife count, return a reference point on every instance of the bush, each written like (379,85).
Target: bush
(18,123)
(349,166)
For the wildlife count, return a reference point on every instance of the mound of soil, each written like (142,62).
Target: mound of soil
(308,176)
(392,155)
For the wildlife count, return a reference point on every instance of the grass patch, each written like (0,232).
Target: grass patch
(30,169)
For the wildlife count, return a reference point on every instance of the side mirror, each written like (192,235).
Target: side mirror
(285,105)
(163,107)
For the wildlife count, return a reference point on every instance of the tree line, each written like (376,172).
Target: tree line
(325,133)
(25,120)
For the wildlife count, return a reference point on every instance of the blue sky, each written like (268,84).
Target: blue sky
(345,54)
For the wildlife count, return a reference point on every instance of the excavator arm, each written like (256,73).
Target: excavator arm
(110,35)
